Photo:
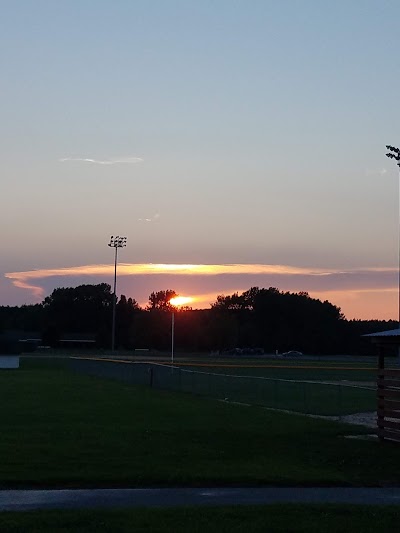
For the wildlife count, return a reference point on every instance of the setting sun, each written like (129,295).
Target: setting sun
(180,300)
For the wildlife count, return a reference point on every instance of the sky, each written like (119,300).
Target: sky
(234,143)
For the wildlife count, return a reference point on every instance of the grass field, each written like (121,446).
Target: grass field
(276,519)
(304,396)
(311,389)
(353,369)
(62,429)
(294,370)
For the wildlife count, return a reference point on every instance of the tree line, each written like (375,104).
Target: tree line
(260,319)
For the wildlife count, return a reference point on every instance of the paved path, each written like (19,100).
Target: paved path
(25,500)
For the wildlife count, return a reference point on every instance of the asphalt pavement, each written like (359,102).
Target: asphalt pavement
(26,500)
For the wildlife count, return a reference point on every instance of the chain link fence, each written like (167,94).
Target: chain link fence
(303,396)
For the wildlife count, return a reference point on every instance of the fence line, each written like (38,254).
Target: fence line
(314,382)
(303,396)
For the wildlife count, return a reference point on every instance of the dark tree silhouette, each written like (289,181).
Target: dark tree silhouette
(159,301)
(257,318)
(86,308)
(127,311)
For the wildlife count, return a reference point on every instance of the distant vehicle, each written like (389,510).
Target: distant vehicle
(292,352)
(244,351)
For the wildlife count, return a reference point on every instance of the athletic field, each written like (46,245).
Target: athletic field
(331,389)
(64,429)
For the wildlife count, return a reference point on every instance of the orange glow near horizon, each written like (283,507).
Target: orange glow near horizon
(366,293)
(363,304)
(181,300)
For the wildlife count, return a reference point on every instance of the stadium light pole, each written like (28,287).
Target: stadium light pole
(115,242)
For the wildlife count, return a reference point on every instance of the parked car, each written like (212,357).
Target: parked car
(292,352)
(244,351)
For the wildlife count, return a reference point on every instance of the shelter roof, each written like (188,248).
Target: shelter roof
(387,333)
(391,336)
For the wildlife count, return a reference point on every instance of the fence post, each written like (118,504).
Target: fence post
(275,394)
(380,411)
(305,397)
(151,377)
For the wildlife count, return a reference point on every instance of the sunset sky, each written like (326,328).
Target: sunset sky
(235,144)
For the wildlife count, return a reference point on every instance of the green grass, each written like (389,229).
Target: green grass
(308,370)
(274,518)
(290,384)
(304,396)
(65,430)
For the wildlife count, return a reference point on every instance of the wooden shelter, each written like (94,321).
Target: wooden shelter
(388,387)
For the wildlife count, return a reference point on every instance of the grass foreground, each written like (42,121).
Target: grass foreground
(276,519)
(60,429)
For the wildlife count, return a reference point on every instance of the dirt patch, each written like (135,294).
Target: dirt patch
(359,419)
(362,419)
(367,419)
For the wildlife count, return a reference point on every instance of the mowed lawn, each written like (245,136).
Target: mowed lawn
(61,429)
(296,369)
(316,389)
(239,519)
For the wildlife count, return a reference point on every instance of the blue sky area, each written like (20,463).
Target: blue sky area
(209,133)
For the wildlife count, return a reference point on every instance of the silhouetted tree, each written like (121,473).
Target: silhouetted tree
(126,312)
(257,318)
(86,308)
(159,301)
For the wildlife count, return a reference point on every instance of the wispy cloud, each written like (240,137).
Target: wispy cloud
(36,291)
(154,218)
(316,278)
(111,161)
(127,269)
(376,172)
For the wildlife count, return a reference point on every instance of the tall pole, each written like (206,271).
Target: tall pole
(394,153)
(115,242)
(172,337)
(175,302)
(114,302)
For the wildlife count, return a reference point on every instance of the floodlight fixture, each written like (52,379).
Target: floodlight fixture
(394,153)
(117,242)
